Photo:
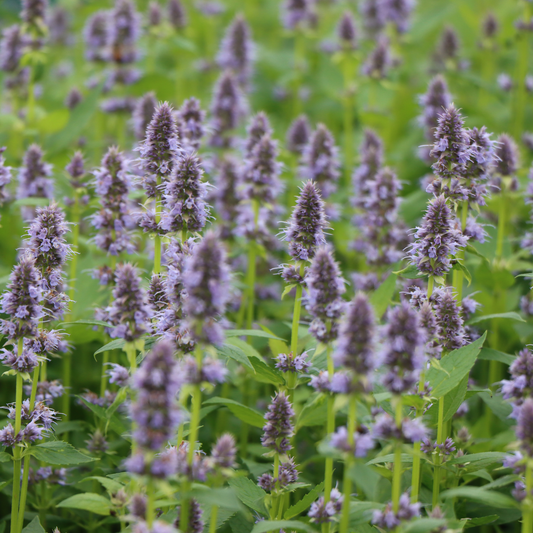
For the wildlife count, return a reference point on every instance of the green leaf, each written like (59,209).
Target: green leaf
(120,398)
(486,497)
(235,353)
(59,453)
(88,501)
(314,412)
(32,201)
(53,122)
(79,118)
(34,527)
(242,412)
(113,345)
(455,366)
(109,484)
(454,399)
(87,322)
(489,354)
(493,457)
(5,457)
(471,250)
(510,315)
(480,521)
(423,525)
(252,333)
(389,458)
(275,525)
(115,423)
(409,272)
(225,498)
(382,297)
(266,374)
(500,407)
(304,503)
(249,494)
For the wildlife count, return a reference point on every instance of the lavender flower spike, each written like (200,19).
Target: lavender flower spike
(305,230)
(279,427)
(176,14)
(5,177)
(191,118)
(129,311)
(142,114)
(347,31)
(160,149)
(155,410)
(96,36)
(436,240)
(206,279)
(184,202)
(298,135)
(325,286)
(356,345)
(320,161)
(258,127)
(11,48)
(237,50)
(403,350)
(451,331)
(22,301)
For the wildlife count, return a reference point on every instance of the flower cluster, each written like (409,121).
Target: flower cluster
(279,427)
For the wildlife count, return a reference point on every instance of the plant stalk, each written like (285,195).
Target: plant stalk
(440,435)
(347,481)
(397,473)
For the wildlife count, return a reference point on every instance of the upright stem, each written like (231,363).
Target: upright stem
(527,513)
(17,450)
(150,511)
(397,473)
(275,497)
(347,482)
(214,516)
(415,478)
(296,315)
(437,473)
(502,221)
(251,271)
(26,468)
(521,71)
(330,428)
(348,119)
(103,379)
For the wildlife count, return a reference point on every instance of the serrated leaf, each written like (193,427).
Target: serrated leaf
(314,412)
(511,315)
(489,354)
(265,373)
(454,399)
(235,353)
(251,333)
(59,453)
(486,497)
(304,503)
(423,525)
(88,501)
(34,527)
(494,457)
(120,398)
(114,422)
(87,322)
(225,498)
(382,297)
(110,485)
(275,525)
(249,494)
(242,412)
(116,344)
(455,366)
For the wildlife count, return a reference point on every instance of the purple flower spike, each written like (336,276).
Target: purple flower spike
(160,149)
(191,118)
(259,127)
(176,14)
(11,48)
(196,523)
(125,30)
(224,452)
(298,135)
(451,331)
(320,161)
(279,427)
(305,230)
(403,349)
(142,114)
(206,279)
(379,61)
(96,35)
(524,427)
(184,202)
(155,410)
(325,286)
(356,345)
(237,50)
(298,14)
(347,31)
(389,520)
(129,311)
(322,512)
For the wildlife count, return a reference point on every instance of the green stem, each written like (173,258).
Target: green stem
(251,271)
(275,496)
(103,379)
(502,222)
(527,513)
(397,473)
(348,120)
(150,507)
(296,315)
(347,482)
(415,478)
(330,428)
(440,440)
(17,451)
(522,64)
(299,56)
(431,284)
(214,515)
